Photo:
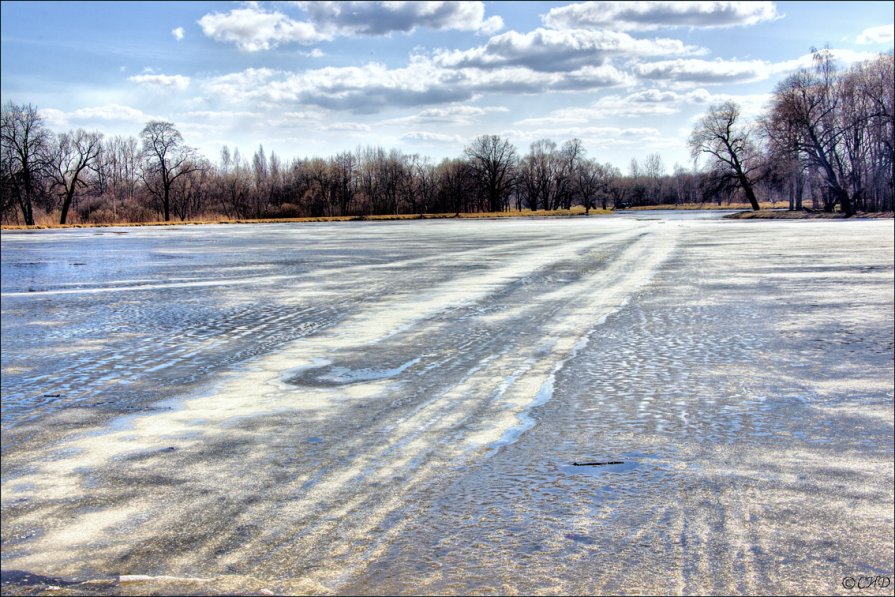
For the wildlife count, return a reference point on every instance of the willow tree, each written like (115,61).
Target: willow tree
(734,159)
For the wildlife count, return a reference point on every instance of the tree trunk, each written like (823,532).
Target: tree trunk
(27,211)
(750,194)
(845,203)
(66,204)
(166,205)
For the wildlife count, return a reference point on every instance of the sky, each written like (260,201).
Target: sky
(316,78)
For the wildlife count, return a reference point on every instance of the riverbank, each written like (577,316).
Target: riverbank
(803,215)
(541,213)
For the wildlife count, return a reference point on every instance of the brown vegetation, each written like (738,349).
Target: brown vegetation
(804,215)
(575,211)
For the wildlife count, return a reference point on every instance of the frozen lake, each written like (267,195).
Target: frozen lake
(399,407)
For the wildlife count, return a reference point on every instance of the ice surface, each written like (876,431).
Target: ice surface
(396,407)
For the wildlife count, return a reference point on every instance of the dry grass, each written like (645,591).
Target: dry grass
(575,211)
(802,215)
(762,204)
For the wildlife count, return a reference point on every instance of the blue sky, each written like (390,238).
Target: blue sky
(305,79)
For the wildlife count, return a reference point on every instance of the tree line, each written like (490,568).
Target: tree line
(827,136)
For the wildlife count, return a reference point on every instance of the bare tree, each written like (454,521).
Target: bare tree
(654,170)
(841,126)
(454,178)
(166,159)
(494,161)
(734,157)
(589,183)
(25,149)
(568,159)
(75,154)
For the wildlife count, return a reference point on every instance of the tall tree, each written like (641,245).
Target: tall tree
(734,157)
(74,155)
(25,149)
(589,183)
(840,123)
(493,159)
(166,159)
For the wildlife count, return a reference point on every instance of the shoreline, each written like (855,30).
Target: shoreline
(743,213)
(371,218)
(806,215)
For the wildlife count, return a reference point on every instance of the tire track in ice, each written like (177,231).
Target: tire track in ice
(101,377)
(453,411)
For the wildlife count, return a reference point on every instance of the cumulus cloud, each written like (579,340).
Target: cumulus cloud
(374,86)
(177,33)
(254,28)
(649,16)
(178,82)
(705,72)
(382,18)
(547,50)
(367,88)
(884,34)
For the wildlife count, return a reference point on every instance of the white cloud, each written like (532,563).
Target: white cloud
(649,16)
(111,112)
(705,72)
(382,18)
(447,115)
(178,82)
(107,112)
(374,87)
(429,137)
(647,102)
(547,50)
(347,127)
(253,29)
(884,34)
(177,33)
(54,117)
(220,114)
(718,71)
(595,137)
